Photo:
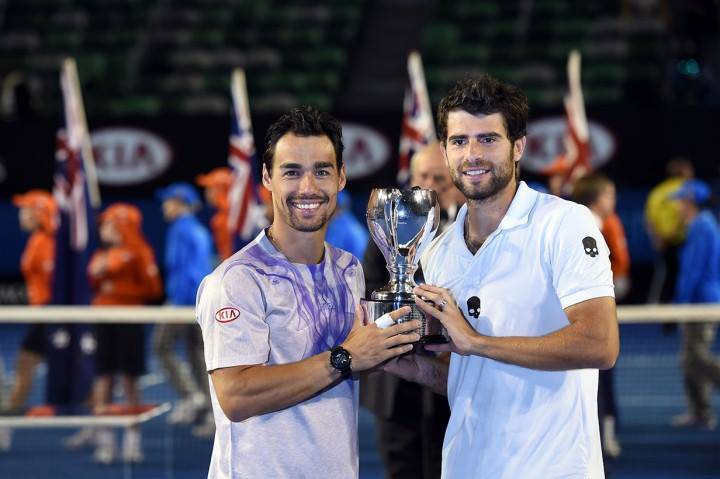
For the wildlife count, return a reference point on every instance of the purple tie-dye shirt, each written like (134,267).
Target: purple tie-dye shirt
(259,308)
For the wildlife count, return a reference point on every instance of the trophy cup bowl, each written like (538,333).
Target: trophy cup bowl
(402,224)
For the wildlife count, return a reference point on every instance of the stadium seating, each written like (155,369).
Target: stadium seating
(148,57)
(528,43)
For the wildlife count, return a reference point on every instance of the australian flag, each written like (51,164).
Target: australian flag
(71,347)
(245,216)
(418,128)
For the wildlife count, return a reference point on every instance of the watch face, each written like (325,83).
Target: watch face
(340,359)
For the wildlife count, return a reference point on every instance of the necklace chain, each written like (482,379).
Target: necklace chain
(472,246)
(270,237)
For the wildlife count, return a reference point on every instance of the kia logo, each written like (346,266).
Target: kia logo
(128,156)
(366,150)
(545,143)
(226,315)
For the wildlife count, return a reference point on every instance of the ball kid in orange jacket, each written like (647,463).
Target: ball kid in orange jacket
(125,271)
(122,272)
(217,185)
(38,212)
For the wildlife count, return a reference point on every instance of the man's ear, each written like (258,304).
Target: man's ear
(519,148)
(266,178)
(444,153)
(342,178)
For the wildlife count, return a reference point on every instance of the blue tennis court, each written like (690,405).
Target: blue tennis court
(648,382)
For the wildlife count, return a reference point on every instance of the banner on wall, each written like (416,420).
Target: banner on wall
(366,150)
(545,143)
(126,156)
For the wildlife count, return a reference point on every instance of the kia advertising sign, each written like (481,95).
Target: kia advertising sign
(129,156)
(545,143)
(366,150)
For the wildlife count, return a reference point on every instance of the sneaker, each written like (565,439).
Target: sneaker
(206,429)
(184,412)
(132,446)
(691,420)
(83,438)
(104,446)
(5,439)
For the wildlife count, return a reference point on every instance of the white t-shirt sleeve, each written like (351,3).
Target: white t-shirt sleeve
(579,259)
(230,310)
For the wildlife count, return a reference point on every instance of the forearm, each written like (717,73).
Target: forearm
(262,389)
(565,349)
(432,372)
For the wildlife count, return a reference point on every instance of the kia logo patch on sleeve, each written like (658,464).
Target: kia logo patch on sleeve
(590,246)
(225,315)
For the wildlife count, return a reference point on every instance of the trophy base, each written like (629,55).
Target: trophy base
(431,330)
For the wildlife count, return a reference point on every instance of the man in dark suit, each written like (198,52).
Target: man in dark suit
(410,419)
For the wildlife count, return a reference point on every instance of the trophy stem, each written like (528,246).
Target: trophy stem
(402,276)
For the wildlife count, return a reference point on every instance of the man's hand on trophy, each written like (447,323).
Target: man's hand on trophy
(371,346)
(420,368)
(439,303)
(405,366)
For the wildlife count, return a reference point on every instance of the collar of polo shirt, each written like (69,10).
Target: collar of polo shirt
(517,214)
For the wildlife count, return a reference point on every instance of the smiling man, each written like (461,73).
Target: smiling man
(522,283)
(282,327)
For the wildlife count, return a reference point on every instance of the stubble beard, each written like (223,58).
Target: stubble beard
(500,177)
(310,225)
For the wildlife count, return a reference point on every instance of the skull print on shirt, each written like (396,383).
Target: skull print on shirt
(473,305)
(590,246)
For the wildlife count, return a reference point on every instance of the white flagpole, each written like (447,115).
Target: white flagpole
(575,96)
(78,133)
(240,97)
(418,84)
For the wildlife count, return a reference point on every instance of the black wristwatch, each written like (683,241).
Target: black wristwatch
(341,359)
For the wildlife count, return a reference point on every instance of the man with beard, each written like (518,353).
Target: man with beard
(282,328)
(522,283)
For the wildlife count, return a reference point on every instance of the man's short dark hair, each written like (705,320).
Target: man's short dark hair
(486,95)
(303,121)
(588,189)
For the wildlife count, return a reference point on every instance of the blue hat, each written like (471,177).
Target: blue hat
(182,191)
(696,190)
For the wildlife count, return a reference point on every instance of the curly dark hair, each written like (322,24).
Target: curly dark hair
(486,95)
(303,121)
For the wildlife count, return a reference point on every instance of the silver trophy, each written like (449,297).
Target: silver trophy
(403,223)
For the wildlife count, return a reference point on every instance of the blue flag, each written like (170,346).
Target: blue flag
(71,347)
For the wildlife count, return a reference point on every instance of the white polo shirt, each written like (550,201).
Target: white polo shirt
(508,421)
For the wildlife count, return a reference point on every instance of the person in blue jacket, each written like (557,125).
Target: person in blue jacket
(698,281)
(345,231)
(188,259)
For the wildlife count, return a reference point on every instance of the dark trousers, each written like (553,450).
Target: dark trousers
(700,367)
(410,440)
(606,394)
